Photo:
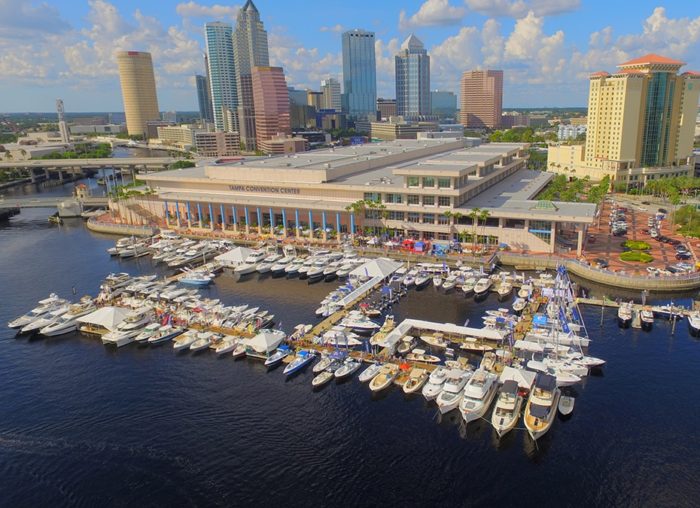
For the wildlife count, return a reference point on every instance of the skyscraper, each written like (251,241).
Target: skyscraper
(222,71)
(443,103)
(330,88)
(412,79)
(138,85)
(271,102)
(206,113)
(62,127)
(359,97)
(250,50)
(481,99)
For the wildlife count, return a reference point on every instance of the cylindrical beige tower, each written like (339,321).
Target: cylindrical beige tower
(138,90)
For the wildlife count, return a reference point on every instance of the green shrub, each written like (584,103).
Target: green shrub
(635,255)
(636,245)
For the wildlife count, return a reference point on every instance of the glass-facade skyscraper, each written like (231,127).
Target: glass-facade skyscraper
(412,79)
(222,71)
(205,111)
(359,74)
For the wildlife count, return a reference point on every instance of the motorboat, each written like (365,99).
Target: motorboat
(505,288)
(452,390)
(437,281)
(562,376)
(194,278)
(44,307)
(419,355)
(566,405)
(164,334)
(301,360)
(646,316)
(276,358)
(468,286)
(292,268)
(416,379)
(369,373)
(479,392)
(185,340)
(405,345)
(388,325)
(482,286)
(435,340)
(422,280)
(227,344)
(322,364)
(278,268)
(410,278)
(250,263)
(624,314)
(694,323)
(519,304)
(68,322)
(147,332)
(359,323)
(450,282)
(435,383)
(541,405)
(136,319)
(508,406)
(239,351)
(47,319)
(120,337)
(525,291)
(349,367)
(473,344)
(384,378)
(325,376)
(590,362)
(202,341)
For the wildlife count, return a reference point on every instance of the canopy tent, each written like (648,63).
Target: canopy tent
(106,317)
(266,341)
(380,267)
(234,257)
(524,378)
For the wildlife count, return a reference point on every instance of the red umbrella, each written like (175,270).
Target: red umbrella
(405,366)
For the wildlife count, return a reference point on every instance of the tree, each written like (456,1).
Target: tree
(448,214)
(358,210)
(474,216)
(182,164)
(483,217)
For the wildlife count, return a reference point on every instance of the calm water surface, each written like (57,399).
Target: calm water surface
(82,425)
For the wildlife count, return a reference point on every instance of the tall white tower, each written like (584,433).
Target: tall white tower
(62,127)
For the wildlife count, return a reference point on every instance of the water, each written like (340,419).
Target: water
(81,424)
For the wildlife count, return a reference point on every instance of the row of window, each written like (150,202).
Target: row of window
(411,199)
(429,182)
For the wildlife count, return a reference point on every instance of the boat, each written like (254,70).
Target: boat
(239,351)
(359,323)
(44,307)
(525,291)
(202,341)
(278,269)
(185,340)
(479,392)
(694,323)
(164,334)
(437,281)
(227,344)
(406,344)
(349,367)
(473,344)
(541,406)
(435,383)
(388,325)
(422,280)
(519,304)
(482,287)
(590,362)
(250,263)
(418,355)
(384,378)
(193,278)
(452,390)
(369,373)
(68,322)
(416,379)
(563,377)
(504,289)
(507,410)
(323,364)
(435,340)
(624,314)
(450,282)
(276,358)
(136,319)
(325,376)
(566,405)
(301,360)
(120,337)
(646,316)
(468,286)
(47,319)
(147,332)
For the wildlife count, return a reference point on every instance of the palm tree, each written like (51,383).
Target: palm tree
(448,214)
(358,210)
(456,216)
(474,216)
(483,216)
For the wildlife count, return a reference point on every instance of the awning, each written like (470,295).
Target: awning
(266,341)
(106,317)
(545,382)
(234,257)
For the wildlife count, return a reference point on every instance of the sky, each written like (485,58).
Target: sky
(547,48)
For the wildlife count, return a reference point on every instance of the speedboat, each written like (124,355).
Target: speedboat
(482,287)
(566,405)
(507,410)
(450,282)
(323,364)
(369,373)
(437,281)
(68,322)
(226,345)
(278,269)
(185,340)
(164,334)
(292,268)
(250,263)
(468,286)
(203,340)
(435,383)
(325,376)
(418,355)
(384,378)
(646,316)
(147,332)
(276,358)
(694,323)
(525,291)
(624,314)
(422,280)
(504,289)
(416,379)
(136,319)
(589,362)
(562,376)
(541,405)
(435,340)
(301,360)
(350,365)
(405,345)
(478,395)
(519,304)
(359,323)
(452,390)
(240,351)
(44,307)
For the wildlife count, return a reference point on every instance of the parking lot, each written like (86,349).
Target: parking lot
(621,222)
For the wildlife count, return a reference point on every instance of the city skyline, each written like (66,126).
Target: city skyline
(546,49)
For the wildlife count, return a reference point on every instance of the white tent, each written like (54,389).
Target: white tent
(524,378)
(106,317)
(380,267)
(266,341)
(234,257)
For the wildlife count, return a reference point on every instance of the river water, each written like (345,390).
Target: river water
(82,425)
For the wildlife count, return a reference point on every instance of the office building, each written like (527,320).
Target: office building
(481,99)
(398,128)
(443,104)
(182,136)
(138,85)
(298,97)
(412,66)
(217,144)
(568,131)
(250,50)
(283,144)
(330,88)
(359,98)
(271,103)
(510,119)
(314,99)
(206,114)
(386,108)
(222,72)
(330,119)
(640,125)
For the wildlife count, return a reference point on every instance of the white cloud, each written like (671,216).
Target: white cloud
(21,19)
(335,28)
(520,8)
(303,67)
(453,56)
(384,54)
(432,13)
(210,12)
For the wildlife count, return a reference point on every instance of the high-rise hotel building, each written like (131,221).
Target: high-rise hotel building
(138,85)
(641,124)
(481,99)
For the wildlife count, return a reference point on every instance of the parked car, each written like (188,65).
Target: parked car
(601,263)
(681,248)
(683,255)
(646,203)
(663,210)
(674,242)
(652,270)
(672,269)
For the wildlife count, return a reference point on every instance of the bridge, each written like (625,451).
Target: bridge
(52,202)
(68,164)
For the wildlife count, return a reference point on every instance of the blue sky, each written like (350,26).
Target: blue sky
(65,48)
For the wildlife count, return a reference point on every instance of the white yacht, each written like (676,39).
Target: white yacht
(478,395)
(435,384)
(136,319)
(505,289)
(468,286)
(384,378)
(541,405)
(482,286)
(250,263)
(125,333)
(525,291)
(148,331)
(452,390)
(51,317)
(369,373)
(350,365)
(44,307)
(68,322)
(694,323)
(507,410)
(203,340)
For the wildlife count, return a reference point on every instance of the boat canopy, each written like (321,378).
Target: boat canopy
(234,257)
(527,345)
(106,317)
(538,411)
(510,386)
(524,378)
(379,267)
(266,341)
(545,382)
